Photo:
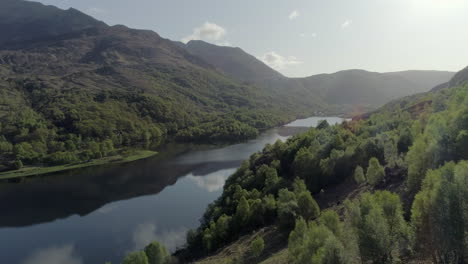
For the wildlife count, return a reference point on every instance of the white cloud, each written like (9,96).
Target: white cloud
(54,255)
(346,24)
(304,35)
(209,32)
(294,14)
(146,233)
(277,61)
(95,11)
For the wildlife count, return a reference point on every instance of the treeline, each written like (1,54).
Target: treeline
(424,147)
(47,125)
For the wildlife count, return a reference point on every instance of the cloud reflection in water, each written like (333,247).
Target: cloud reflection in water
(214,181)
(54,255)
(146,233)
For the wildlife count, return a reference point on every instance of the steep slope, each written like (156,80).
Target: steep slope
(241,66)
(234,62)
(459,78)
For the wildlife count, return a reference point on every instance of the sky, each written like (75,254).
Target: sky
(305,37)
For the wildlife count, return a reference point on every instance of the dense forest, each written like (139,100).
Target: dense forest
(407,162)
(44,124)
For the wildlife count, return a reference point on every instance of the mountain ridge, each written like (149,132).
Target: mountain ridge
(354,87)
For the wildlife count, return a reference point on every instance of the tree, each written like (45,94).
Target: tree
(314,244)
(333,252)
(138,257)
(439,213)
(323,124)
(156,253)
(359,177)
(222,227)
(271,180)
(297,238)
(299,186)
(243,212)
(331,220)
(18,164)
(375,172)
(377,220)
(308,207)
(287,208)
(257,246)
(418,163)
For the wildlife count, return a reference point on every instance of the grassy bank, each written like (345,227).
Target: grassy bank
(39,170)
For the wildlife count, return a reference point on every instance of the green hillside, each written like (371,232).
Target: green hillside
(96,90)
(388,188)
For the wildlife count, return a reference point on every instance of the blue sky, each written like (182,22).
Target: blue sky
(305,37)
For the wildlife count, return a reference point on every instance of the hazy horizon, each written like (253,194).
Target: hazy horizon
(302,38)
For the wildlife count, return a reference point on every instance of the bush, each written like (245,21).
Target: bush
(440,213)
(359,177)
(257,246)
(308,207)
(375,172)
(156,253)
(138,257)
(18,164)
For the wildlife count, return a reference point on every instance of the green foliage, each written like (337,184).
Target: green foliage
(440,213)
(18,164)
(138,257)
(257,246)
(315,244)
(287,208)
(331,220)
(378,221)
(42,120)
(308,207)
(243,212)
(358,175)
(156,253)
(375,172)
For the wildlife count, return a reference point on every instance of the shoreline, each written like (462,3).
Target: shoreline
(38,170)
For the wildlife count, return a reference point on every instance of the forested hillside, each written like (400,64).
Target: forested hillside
(83,90)
(389,188)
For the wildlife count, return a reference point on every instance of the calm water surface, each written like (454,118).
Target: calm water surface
(99,214)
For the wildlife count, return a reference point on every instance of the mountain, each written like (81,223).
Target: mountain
(241,66)
(26,21)
(234,62)
(85,90)
(359,87)
(348,89)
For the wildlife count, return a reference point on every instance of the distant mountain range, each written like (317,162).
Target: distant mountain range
(350,87)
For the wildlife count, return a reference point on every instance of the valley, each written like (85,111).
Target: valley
(127,139)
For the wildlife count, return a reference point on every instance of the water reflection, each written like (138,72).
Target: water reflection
(214,181)
(147,232)
(54,255)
